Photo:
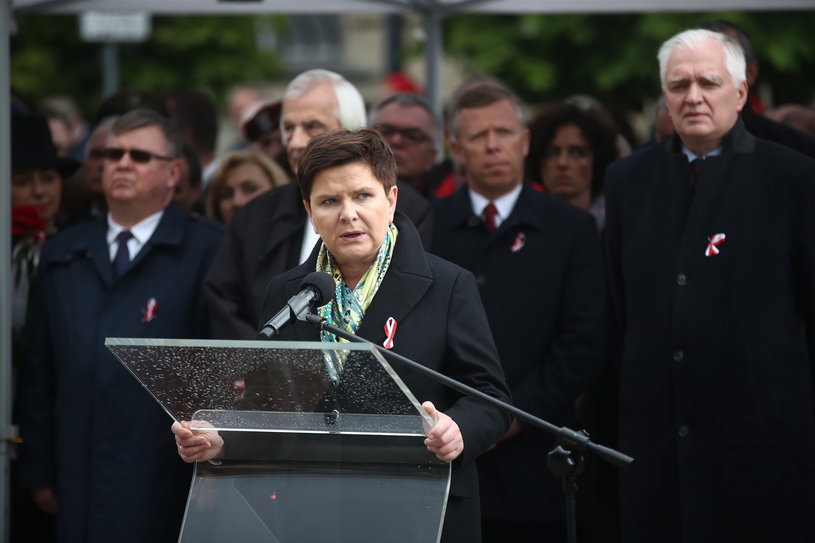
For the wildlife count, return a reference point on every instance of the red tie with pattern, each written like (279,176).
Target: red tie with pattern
(489,216)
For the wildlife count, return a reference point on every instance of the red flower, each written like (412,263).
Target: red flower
(26,219)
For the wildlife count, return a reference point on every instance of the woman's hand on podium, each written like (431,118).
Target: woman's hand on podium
(197,445)
(445,438)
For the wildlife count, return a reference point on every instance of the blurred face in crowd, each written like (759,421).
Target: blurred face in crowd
(185,195)
(95,162)
(566,169)
(700,95)
(312,114)
(135,190)
(408,130)
(270,144)
(491,144)
(244,182)
(60,135)
(351,211)
(39,188)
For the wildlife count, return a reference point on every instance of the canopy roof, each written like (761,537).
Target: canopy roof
(441,7)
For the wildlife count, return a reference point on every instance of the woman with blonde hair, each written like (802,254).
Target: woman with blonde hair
(241,177)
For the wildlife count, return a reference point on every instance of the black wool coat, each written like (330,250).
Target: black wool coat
(540,277)
(716,397)
(440,324)
(89,428)
(263,241)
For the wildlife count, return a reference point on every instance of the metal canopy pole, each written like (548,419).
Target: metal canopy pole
(433,52)
(6,430)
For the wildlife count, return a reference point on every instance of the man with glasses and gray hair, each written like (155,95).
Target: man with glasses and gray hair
(272,233)
(94,440)
(710,243)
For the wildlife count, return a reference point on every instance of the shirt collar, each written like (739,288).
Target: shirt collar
(504,204)
(142,231)
(691,157)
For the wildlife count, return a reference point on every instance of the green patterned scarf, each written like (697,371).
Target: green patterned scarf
(348,307)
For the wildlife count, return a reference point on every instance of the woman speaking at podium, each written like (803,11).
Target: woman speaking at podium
(389,290)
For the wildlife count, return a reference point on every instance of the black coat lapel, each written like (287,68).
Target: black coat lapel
(405,283)
(286,221)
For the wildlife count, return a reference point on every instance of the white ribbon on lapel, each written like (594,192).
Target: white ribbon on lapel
(712,248)
(149,312)
(390,331)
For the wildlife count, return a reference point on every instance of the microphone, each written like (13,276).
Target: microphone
(316,289)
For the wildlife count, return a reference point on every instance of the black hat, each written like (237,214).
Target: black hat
(31,145)
(265,119)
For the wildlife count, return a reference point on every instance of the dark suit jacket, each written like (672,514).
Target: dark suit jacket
(440,324)
(767,129)
(90,428)
(263,241)
(540,276)
(716,370)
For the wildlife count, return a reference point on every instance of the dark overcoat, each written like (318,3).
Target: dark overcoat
(89,428)
(716,396)
(264,240)
(440,323)
(540,275)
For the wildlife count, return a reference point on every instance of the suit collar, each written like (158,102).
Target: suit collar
(170,231)
(738,140)
(286,219)
(527,211)
(407,280)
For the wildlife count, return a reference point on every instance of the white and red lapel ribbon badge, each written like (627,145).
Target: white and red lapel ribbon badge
(149,312)
(520,241)
(713,243)
(390,331)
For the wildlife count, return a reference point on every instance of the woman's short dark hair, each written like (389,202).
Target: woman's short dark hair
(597,129)
(341,147)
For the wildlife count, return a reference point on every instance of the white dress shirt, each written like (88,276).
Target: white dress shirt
(141,233)
(503,205)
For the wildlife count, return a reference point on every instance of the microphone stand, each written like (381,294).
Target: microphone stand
(565,461)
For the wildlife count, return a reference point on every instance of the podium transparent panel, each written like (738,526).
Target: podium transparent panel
(306,458)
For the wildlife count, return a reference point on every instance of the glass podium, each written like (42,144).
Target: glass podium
(306,459)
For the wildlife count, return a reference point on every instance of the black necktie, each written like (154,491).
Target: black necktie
(122,259)
(696,166)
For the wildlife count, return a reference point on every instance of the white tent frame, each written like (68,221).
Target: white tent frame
(432,10)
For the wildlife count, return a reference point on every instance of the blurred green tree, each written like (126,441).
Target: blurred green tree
(48,57)
(613,57)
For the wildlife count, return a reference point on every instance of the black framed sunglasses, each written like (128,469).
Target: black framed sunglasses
(137,155)
(413,135)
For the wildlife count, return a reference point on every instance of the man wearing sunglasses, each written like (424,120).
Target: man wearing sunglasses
(410,126)
(94,441)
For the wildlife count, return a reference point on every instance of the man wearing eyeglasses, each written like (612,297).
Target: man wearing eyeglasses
(94,440)
(272,233)
(409,125)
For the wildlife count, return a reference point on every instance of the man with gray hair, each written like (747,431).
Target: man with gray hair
(533,254)
(272,233)
(94,440)
(410,127)
(710,243)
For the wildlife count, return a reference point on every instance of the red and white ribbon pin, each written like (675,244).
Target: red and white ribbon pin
(390,331)
(520,241)
(713,242)
(149,312)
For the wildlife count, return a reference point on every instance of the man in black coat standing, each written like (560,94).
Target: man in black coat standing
(94,439)
(272,234)
(538,263)
(711,256)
